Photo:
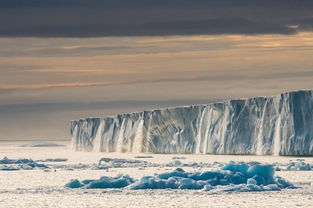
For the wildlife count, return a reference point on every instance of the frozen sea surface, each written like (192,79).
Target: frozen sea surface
(45,187)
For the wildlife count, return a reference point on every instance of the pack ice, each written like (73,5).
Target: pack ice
(275,125)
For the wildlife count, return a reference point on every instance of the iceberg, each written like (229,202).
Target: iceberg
(274,125)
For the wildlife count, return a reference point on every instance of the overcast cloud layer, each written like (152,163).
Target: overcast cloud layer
(96,18)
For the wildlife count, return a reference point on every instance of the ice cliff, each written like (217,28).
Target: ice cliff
(275,125)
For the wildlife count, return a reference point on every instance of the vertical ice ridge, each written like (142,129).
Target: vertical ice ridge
(200,126)
(74,130)
(259,144)
(98,138)
(119,142)
(277,138)
(137,144)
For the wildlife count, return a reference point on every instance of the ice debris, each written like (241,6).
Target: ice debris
(233,177)
(178,163)
(119,181)
(53,160)
(41,144)
(178,158)
(7,164)
(144,156)
(122,163)
(300,165)
(7,161)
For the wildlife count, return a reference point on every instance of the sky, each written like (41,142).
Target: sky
(62,60)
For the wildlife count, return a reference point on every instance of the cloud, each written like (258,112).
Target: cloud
(5,91)
(98,18)
(43,86)
(115,104)
(204,78)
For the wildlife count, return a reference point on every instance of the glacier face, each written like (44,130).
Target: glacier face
(276,125)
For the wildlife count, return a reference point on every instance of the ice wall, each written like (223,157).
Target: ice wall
(277,125)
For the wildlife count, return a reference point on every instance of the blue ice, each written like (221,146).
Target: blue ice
(233,177)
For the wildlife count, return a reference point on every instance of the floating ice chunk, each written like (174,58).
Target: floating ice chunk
(208,188)
(188,183)
(177,163)
(53,160)
(251,181)
(118,160)
(152,183)
(7,164)
(41,144)
(175,173)
(74,183)
(262,171)
(120,163)
(174,163)
(119,181)
(109,182)
(282,183)
(300,165)
(262,174)
(179,170)
(178,158)
(112,191)
(236,167)
(9,168)
(6,160)
(206,175)
(236,188)
(143,156)
(37,165)
(236,178)
(241,188)
(274,187)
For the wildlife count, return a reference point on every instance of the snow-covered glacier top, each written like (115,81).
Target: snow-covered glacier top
(275,125)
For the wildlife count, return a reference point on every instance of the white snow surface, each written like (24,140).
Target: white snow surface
(42,188)
(276,125)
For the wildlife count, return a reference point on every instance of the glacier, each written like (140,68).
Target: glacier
(273,125)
